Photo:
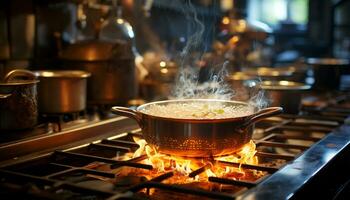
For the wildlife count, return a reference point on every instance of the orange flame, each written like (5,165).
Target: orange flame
(184,166)
(245,156)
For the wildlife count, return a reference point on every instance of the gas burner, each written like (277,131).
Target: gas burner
(59,121)
(102,111)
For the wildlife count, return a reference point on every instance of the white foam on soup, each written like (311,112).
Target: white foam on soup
(198,110)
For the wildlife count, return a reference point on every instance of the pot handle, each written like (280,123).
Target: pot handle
(4,96)
(14,74)
(127,112)
(265,113)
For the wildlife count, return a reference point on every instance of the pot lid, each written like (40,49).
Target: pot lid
(62,74)
(97,50)
(19,83)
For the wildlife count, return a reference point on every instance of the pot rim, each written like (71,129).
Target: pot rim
(62,74)
(269,72)
(284,86)
(19,83)
(328,61)
(243,117)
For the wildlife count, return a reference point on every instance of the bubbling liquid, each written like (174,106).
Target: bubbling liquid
(198,110)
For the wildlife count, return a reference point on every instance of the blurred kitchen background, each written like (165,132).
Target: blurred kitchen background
(134,48)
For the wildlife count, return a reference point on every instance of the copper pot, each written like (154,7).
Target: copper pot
(112,68)
(196,137)
(62,91)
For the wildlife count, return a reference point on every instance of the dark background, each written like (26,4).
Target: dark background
(27,28)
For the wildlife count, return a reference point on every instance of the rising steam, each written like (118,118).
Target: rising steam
(194,41)
(188,86)
(257,96)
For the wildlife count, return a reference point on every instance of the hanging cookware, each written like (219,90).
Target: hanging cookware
(62,91)
(18,100)
(196,137)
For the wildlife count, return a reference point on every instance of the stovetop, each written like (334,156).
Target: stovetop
(299,155)
(49,124)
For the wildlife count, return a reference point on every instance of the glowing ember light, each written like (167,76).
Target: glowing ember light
(225,20)
(120,21)
(164,70)
(162,64)
(284,83)
(234,39)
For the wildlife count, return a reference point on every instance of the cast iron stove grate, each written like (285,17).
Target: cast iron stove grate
(287,145)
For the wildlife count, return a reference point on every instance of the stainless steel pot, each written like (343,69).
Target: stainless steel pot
(196,137)
(18,101)
(62,91)
(111,65)
(328,71)
(286,94)
(245,83)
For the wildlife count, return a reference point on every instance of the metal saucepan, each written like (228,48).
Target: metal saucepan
(286,94)
(62,91)
(244,83)
(18,100)
(196,137)
(328,72)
